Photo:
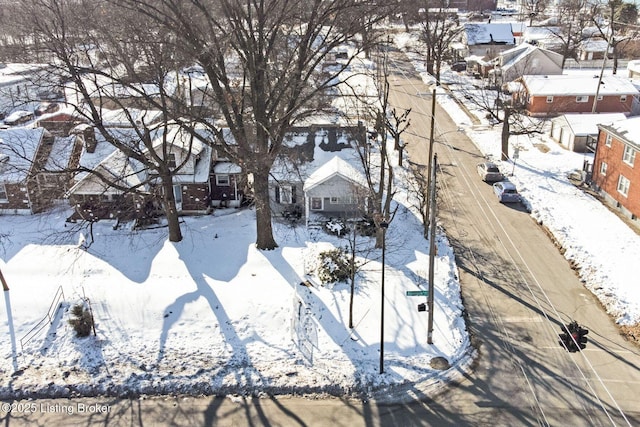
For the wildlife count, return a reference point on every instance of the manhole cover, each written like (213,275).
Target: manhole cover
(440,363)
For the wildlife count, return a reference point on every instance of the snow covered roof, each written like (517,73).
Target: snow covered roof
(627,129)
(569,85)
(335,166)
(594,45)
(539,33)
(118,167)
(634,65)
(514,55)
(18,147)
(481,33)
(227,168)
(587,124)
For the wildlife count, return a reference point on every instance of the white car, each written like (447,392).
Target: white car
(489,172)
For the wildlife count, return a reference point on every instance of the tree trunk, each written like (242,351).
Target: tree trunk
(505,135)
(264,239)
(170,209)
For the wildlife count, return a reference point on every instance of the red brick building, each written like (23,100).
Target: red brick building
(551,95)
(616,171)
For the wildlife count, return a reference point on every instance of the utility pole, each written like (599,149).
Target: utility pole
(429,165)
(432,247)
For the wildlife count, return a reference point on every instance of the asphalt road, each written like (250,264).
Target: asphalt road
(517,289)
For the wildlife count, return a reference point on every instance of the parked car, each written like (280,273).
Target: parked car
(459,66)
(506,192)
(46,108)
(18,117)
(489,172)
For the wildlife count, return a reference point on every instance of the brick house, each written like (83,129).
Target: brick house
(551,95)
(33,169)
(616,171)
(93,198)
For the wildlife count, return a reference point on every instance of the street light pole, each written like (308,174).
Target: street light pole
(384,226)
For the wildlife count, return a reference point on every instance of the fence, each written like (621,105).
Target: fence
(48,319)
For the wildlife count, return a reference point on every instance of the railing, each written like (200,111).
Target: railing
(48,319)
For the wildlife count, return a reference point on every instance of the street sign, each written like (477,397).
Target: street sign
(417,293)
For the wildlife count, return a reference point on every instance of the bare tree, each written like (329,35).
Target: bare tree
(264,61)
(573,16)
(500,108)
(91,59)
(617,30)
(439,28)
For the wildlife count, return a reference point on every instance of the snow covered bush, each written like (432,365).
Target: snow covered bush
(334,266)
(82,321)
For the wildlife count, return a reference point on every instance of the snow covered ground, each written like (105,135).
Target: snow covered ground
(212,314)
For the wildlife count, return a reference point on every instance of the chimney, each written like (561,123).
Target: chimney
(89,139)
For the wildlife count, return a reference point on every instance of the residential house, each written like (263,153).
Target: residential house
(336,188)
(615,173)
(96,198)
(558,94)
(482,42)
(34,169)
(525,59)
(320,173)
(592,48)
(545,37)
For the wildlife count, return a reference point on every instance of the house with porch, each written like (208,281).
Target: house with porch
(320,173)
(119,186)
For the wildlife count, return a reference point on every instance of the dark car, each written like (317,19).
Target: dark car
(459,66)
(46,108)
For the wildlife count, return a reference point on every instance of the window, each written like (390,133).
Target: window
(603,168)
(629,155)
(285,194)
(3,194)
(172,160)
(222,180)
(549,99)
(623,185)
(316,203)
(342,200)
(607,140)
(582,98)
(600,97)
(623,98)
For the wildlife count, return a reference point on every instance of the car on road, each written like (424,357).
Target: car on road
(506,192)
(489,172)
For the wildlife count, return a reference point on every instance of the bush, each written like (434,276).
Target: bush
(335,266)
(82,322)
